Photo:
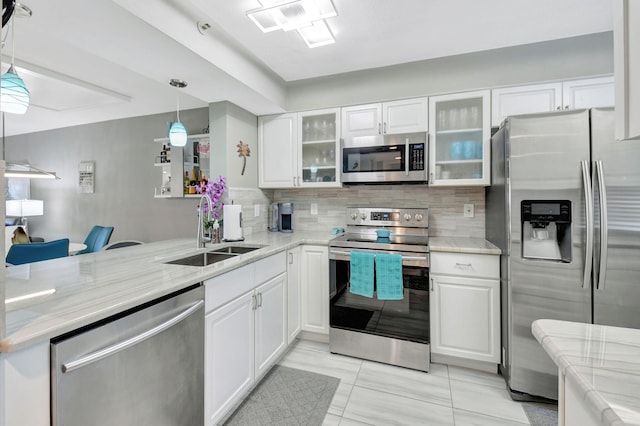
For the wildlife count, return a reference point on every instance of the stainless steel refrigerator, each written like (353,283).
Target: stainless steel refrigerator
(564,207)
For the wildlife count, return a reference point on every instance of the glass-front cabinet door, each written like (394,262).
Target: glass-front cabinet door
(459,139)
(319,147)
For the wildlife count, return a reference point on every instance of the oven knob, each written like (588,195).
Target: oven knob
(407,217)
(418,217)
(354,215)
(363,216)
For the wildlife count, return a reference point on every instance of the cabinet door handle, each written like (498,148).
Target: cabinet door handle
(298,180)
(260,300)
(464,265)
(294,181)
(566,107)
(290,258)
(558,108)
(431,284)
(384,129)
(379,128)
(254,302)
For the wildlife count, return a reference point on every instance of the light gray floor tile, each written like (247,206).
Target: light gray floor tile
(486,400)
(349,422)
(475,376)
(340,398)
(331,420)
(467,418)
(342,367)
(405,382)
(381,408)
(312,346)
(439,370)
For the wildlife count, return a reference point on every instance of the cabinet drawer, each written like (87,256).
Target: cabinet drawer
(271,266)
(465,264)
(226,287)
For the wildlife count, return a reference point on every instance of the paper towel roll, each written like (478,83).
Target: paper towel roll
(232,225)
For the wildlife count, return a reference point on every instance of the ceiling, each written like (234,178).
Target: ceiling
(89,61)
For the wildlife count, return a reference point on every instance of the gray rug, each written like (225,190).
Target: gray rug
(540,414)
(287,396)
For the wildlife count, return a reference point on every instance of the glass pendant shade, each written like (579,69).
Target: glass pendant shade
(178,134)
(14,96)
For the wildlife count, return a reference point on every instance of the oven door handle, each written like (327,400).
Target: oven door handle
(347,253)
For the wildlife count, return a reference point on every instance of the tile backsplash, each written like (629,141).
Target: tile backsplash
(445,205)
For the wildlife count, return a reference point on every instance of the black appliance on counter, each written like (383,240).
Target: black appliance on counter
(390,331)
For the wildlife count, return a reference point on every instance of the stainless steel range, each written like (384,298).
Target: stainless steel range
(390,331)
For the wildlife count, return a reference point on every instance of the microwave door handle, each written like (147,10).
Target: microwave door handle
(406,158)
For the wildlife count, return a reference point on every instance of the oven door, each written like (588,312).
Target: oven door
(403,162)
(406,319)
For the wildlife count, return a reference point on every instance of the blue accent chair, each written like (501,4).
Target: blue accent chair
(97,238)
(28,253)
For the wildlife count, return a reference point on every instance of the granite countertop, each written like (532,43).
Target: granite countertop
(462,245)
(603,361)
(47,299)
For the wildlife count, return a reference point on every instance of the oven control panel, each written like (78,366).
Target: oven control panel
(410,217)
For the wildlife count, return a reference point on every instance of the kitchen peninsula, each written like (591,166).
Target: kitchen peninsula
(599,371)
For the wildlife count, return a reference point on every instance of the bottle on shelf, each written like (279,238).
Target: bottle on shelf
(193,182)
(168,154)
(163,154)
(187,183)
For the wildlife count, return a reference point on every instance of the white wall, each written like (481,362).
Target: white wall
(569,58)
(125,177)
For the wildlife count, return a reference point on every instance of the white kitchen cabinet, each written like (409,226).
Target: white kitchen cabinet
(572,406)
(178,161)
(229,349)
(626,67)
(459,139)
(294,318)
(547,97)
(318,163)
(270,323)
(299,150)
(464,305)
(315,289)
(245,331)
(387,118)
(277,151)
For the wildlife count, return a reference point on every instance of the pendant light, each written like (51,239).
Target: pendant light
(14,96)
(177,132)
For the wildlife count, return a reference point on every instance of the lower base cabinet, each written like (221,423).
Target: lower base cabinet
(315,289)
(294,319)
(465,306)
(245,336)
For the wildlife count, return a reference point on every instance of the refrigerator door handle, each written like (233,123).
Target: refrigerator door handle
(604,229)
(588,202)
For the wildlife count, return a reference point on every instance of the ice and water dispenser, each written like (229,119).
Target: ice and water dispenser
(546,230)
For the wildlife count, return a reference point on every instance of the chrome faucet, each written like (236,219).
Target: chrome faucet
(200,239)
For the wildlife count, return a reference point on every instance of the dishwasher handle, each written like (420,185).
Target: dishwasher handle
(108,351)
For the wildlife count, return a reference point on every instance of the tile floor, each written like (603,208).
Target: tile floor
(371,393)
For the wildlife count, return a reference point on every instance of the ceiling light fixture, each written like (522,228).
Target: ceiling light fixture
(177,131)
(14,96)
(306,16)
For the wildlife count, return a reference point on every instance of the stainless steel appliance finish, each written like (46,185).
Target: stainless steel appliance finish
(143,368)
(285,217)
(388,159)
(272,224)
(390,331)
(568,159)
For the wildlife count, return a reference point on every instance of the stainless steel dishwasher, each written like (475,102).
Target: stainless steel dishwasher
(144,367)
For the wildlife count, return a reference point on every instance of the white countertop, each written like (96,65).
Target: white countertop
(50,298)
(462,245)
(605,363)
(47,299)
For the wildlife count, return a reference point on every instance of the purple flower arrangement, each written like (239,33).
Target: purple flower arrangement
(215,190)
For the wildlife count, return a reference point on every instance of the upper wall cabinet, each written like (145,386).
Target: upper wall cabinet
(626,53)
(459,138)
(387,118)
(532,98)
(299,150)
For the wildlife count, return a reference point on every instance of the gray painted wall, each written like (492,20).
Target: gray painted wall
(125,177)
(569,58)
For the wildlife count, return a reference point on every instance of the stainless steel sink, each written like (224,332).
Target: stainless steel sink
(202,259)
(236,249)
(213,256)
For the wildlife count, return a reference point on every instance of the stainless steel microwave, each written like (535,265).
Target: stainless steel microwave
(394,159)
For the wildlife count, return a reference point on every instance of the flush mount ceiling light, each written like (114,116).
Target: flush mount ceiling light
(306,16)
(177,132)
(14,96)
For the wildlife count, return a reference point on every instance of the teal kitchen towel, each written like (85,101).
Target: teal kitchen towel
(389,276)
(361,282)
